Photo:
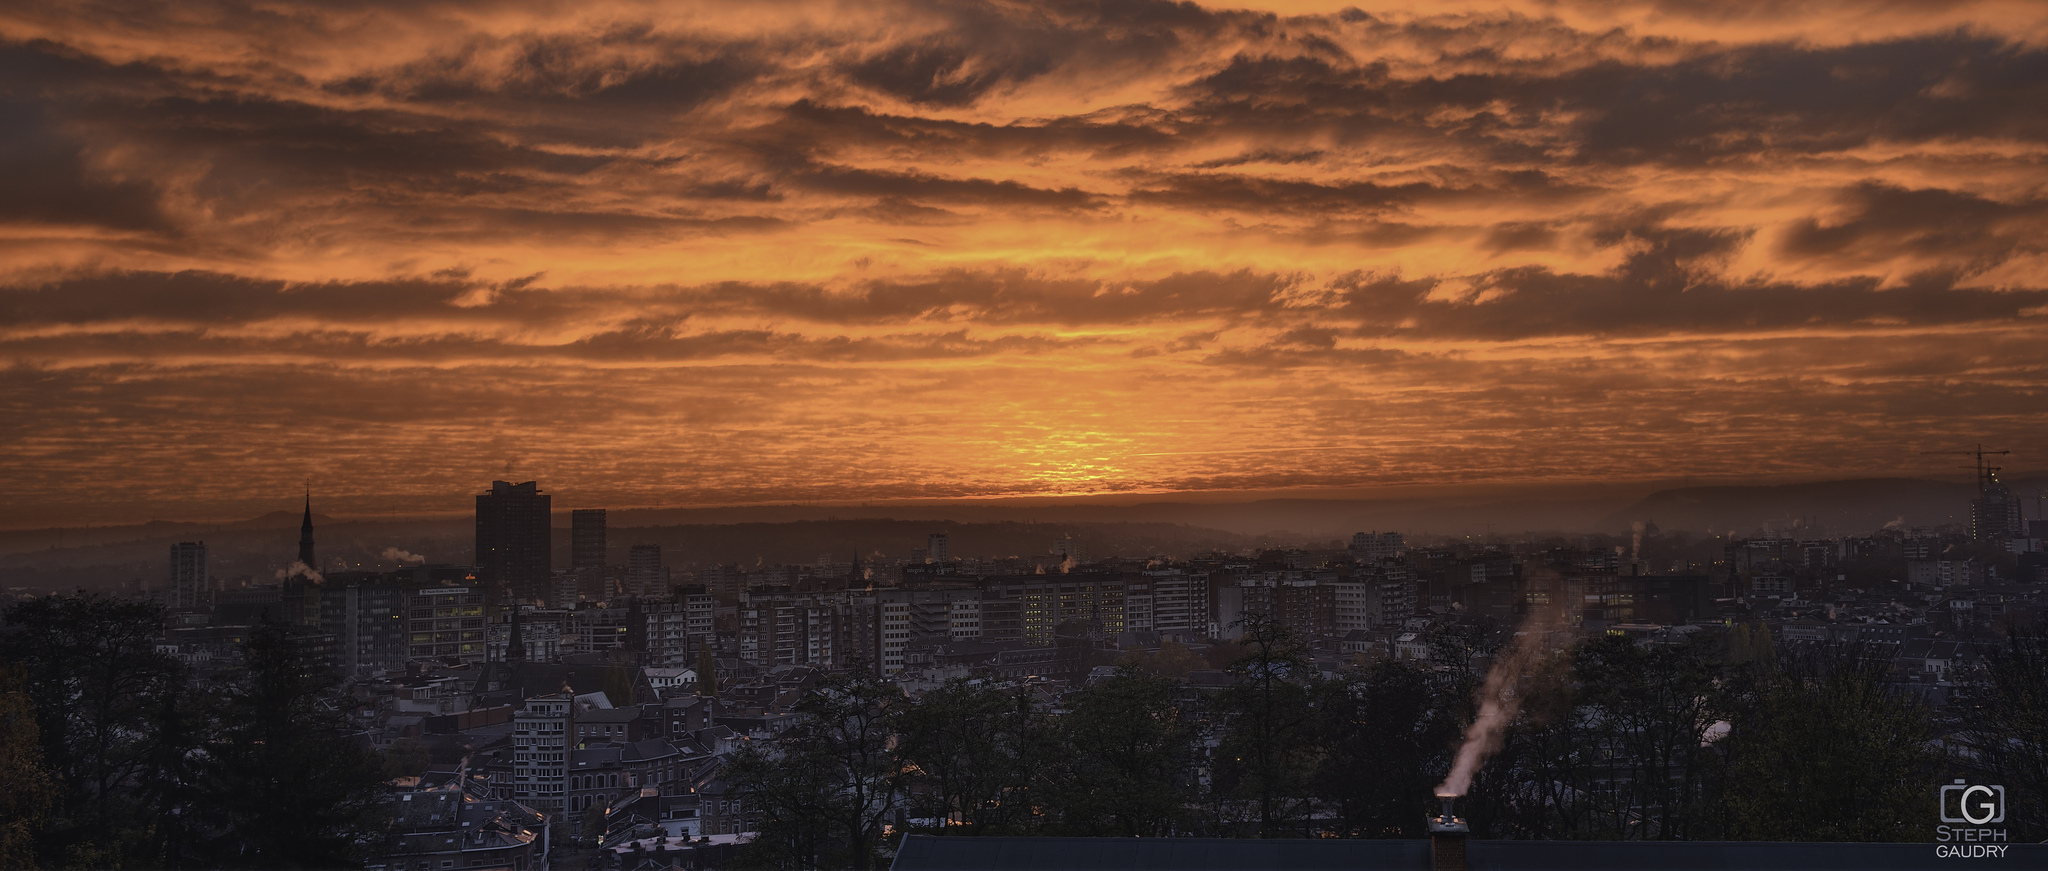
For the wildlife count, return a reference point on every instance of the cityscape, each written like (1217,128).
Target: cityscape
(981,435)
(569,696)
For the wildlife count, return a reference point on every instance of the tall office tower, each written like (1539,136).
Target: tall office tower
(306,536)
(644,577)
(940,550)
(189,583)
(512,549)
(1995,513)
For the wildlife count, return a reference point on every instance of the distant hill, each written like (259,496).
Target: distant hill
(1506,509)
(1835,507)
(805,541)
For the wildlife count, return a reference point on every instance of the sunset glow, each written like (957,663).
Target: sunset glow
(703,253)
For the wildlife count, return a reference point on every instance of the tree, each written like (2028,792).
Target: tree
(967,749)
(406,757)
(25,801)
(1125,749)
(1390,730)
(618,684)
(826,789)
(1821,750)
(1545,781)
(1648,708)
(292,785)
(786,788)
(591,824)
(1172,660)
(2005,726)
(99,691)
(1269,755)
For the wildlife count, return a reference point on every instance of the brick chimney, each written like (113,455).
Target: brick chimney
(1447,840)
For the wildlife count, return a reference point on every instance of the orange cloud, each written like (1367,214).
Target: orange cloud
(708,252)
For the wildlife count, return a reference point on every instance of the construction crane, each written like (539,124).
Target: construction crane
(1985,473)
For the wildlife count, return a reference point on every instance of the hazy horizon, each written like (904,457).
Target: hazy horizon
(460,506)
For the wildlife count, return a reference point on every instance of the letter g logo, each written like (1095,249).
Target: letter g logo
(1981,805)
(1977,804)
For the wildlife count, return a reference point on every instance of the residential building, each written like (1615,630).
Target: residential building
(543,733)
(190,585)
(645,577)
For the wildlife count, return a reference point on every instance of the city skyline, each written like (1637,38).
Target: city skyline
(659,255)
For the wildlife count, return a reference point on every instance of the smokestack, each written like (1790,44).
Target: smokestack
(1447,839)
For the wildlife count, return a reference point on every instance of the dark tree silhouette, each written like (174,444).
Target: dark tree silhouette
(100,692)
(1269,753)
(1124,755)
(969,754)
(291,784)
(2004,712)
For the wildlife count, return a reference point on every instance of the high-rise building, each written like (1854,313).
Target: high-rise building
(1369,547)
(364,613)
(190,585)
(587,552)
(1070,549)
(645,577)
(939,548)
(542,733)
(1995,514)
(445,624)
(1046,602)
(512,547)
(1180,602)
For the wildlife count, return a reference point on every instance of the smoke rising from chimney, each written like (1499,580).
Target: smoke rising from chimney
(404,557)
(301,569)
(1498,701)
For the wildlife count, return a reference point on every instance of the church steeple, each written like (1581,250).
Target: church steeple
(515,647)
(306,533)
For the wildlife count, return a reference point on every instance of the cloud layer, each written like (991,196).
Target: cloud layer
(652,253)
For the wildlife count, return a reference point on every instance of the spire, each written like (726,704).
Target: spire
(515,647)
(306,532)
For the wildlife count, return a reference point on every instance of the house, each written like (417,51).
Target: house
(451,828)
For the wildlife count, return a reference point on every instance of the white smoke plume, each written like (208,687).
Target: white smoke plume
(1635,549)
(1067,565)
(404,557)
(1898,522)
(1498,700)
(301,569)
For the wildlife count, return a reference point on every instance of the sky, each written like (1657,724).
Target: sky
(704,253)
